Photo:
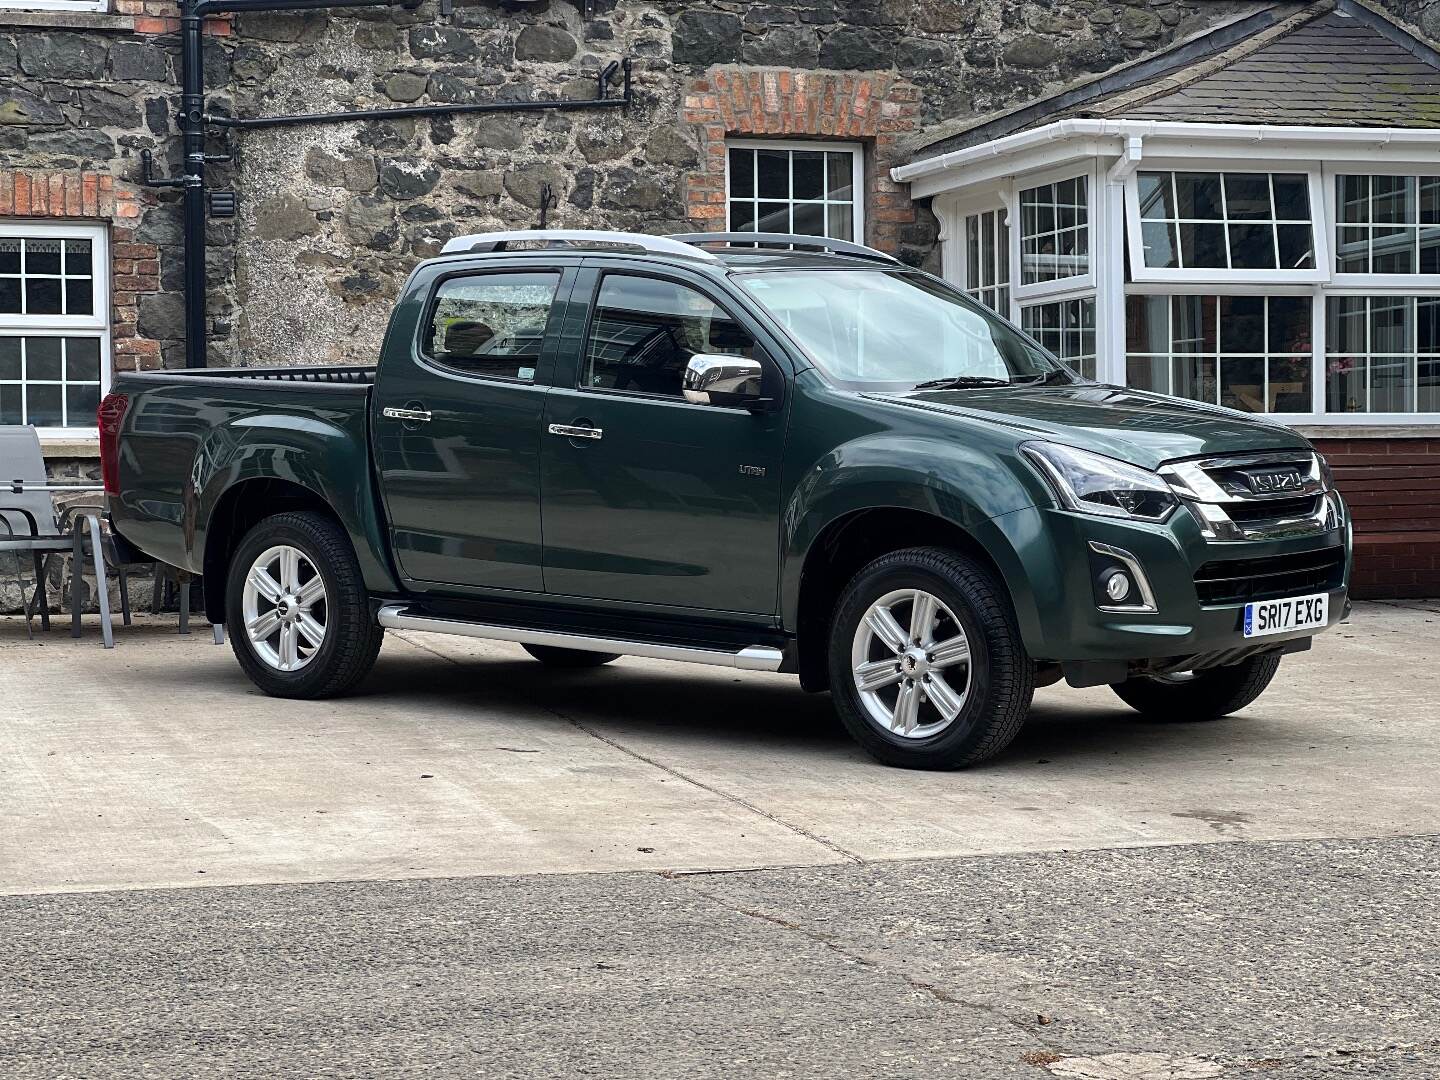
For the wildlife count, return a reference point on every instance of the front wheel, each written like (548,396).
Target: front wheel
(1199,695)
(297,609)
(926,664)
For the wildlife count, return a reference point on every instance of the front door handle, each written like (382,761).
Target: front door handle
(572,431)
(421,416)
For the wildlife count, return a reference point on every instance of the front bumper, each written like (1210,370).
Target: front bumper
(1061,620)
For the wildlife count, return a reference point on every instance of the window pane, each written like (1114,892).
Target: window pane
(42,256)
(45,403)
(987,249)
(77,257)
(1157,200)
(1247,195)
(1252,247)
(1290,384)
(1430,251)
(1289,324)
(1292,196)
(42,358)
(1427,325)
(840,176)
(1242,384)
(742,217)
(9,358)
(79,297)
(773,169)
(774,217)
(82,359)
(1147,373)
(646,330)
(1194,377)
(80,405)
(1202,245)
(972,251)
(1353,254)
(492,324)
(1296,249)
(1392,249)
(1353,195)
(1147,326)
(1192,326)
(1346,328)
(1428,387)
(1392,199)
(1158,240)
(12,407)
(1429,200)
(1242,324)
(809,174)
(9,255)
(842,222)
(1002,248)
(742,173)
(809,219)
(42,296)
(1198,195)
(1392,385)
(1390,324)
(9,296)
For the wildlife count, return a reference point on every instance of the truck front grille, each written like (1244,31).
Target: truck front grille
(1238,581)
(1262,496)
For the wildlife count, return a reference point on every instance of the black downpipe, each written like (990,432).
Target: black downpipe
(194,123)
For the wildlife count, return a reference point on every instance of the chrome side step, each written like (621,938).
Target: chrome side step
(751,658)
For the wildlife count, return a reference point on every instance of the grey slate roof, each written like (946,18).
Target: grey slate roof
(1333,63)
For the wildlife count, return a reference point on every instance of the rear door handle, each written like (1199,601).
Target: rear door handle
(572,431)
(412,415)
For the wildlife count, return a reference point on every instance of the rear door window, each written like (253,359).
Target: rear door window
(491,324)
(646,329)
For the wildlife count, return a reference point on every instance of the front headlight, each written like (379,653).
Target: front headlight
(1093,484)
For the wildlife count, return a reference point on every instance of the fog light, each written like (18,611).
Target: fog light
(1117,586)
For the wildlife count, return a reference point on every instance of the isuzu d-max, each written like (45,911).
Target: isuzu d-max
(775,453)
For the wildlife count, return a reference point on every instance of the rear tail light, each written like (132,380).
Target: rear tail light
(108,418)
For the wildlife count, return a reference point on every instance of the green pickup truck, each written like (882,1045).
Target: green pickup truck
(773,453)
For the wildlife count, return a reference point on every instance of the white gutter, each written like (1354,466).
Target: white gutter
(1065,130)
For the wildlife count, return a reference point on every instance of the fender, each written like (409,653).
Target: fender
(963,485)
(326,453)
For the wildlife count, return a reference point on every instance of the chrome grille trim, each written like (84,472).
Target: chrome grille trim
(1209,487)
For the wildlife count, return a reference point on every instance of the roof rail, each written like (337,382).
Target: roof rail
(571,238)
(819,243)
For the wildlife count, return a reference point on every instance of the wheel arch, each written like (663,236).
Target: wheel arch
(849,542)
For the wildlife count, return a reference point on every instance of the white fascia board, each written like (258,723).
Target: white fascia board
(1056,142)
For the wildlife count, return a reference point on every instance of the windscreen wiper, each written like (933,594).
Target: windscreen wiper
(956,382)
(1049,377)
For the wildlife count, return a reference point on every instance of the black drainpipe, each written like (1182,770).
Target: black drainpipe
(194,122)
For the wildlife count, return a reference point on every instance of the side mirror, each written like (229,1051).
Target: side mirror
(730,382)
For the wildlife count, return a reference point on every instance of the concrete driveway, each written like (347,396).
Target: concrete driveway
(476,867)
(158,764)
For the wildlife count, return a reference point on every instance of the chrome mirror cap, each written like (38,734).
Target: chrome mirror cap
(722,380)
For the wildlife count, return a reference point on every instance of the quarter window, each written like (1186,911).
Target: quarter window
(987,259)
(1055,231)
(1244,352)
(1387,224)
(53,325)
(1226,221)
(492,324)
(806,188)
(1067,329)
(646,329)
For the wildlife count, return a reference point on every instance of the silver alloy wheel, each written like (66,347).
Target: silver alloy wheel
(284,607)
(911,664)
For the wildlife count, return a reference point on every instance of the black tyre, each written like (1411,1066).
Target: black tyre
(1199,695)
(927,669)
(297,610)
(551,656)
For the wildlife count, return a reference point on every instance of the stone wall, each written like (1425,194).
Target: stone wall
(334,216)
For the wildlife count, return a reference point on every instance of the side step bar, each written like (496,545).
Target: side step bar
(751,658)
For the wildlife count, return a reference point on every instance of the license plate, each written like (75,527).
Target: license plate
(1281,616)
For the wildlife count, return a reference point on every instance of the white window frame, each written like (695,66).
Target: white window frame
(1022,294)
(1002,220)
(96,325)
(1320,222)
(1077,298)
(102,6)
(1414,284)
(857,172)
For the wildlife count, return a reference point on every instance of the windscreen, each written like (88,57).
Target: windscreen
(891,329)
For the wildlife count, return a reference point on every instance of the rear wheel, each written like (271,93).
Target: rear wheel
(552,656)
(1199,695)
(926,664)
(297,609)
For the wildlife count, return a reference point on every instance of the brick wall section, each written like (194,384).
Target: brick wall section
(1390,485)
(878,110)
(134,266)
